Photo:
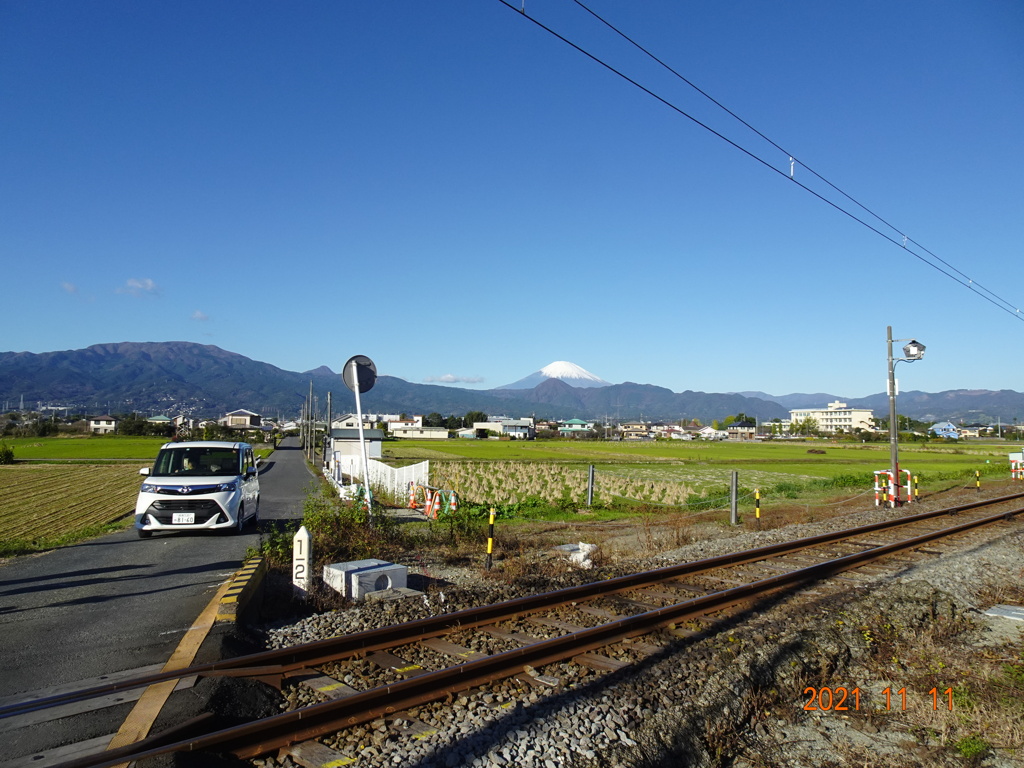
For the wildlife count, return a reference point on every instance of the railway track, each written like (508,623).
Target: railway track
(602,626)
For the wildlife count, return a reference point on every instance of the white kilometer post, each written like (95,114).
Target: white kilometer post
(302,543)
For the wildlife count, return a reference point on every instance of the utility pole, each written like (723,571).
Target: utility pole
(894,460)
(309,425)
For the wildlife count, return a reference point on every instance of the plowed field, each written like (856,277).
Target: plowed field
(42,501)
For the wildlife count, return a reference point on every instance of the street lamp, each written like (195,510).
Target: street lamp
(913,351)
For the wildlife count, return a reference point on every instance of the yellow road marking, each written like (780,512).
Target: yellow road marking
(136,726)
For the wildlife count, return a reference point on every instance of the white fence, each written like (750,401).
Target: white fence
(392,480)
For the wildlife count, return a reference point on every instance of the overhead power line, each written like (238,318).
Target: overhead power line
(901,239)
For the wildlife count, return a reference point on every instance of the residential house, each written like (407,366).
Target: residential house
(742,430)
(351,421)
(102,425)
(710,433)
(240,419)
(635,430)
(575,428)
(399,423)
(521,429)
(945,429)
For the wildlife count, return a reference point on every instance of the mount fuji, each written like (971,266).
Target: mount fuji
(570,373)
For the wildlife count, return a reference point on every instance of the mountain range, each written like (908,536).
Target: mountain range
(204,380)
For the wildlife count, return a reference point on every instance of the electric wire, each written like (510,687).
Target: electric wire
(970,284)
(792,156)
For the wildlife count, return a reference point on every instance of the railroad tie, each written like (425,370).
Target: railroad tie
(313,754)
(518,637)
(386,660)
(451,649)
(600,662)
(555,623)
(326,686)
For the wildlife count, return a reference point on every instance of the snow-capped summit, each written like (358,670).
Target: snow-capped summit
(570,373)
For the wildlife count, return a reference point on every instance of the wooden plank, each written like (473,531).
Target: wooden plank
(313,754)
(60,755)
(79,685)
(451,649)
(386,660)
(78,707)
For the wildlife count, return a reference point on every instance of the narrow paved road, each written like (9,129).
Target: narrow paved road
(120,602)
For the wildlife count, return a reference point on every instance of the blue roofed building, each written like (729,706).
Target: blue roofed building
(944,429)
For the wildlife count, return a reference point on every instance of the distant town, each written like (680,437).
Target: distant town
(835,420)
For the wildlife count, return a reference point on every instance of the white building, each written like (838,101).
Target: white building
(420,433)
(834,418)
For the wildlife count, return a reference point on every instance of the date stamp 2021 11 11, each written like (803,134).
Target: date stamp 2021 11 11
(845,699)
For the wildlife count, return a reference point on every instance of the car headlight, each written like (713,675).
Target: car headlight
(228,487)
(149,488)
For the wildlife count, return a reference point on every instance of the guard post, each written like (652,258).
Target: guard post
(490,538)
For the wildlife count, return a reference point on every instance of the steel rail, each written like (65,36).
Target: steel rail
(262,736)
(273,665)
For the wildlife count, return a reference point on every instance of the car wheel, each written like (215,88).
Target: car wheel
(256,513)
(143,534)
(240,521)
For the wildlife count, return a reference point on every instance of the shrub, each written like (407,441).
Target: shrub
(6,454)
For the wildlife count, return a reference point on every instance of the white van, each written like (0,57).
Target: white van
(204,485)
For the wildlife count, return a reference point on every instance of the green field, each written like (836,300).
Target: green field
(86,447)
(495,471)
(788,458)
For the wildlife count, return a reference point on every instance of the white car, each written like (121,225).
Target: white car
(199,486)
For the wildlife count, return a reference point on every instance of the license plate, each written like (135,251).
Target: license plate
(183,518)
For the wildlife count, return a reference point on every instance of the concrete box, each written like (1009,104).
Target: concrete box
(336,575)
(356,578)
(375,579)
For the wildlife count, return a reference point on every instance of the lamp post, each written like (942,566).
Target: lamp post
(913,351)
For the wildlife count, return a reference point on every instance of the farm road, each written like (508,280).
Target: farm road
(120,602)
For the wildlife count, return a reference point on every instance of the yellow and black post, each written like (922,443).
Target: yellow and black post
(917,490)
(977,479)
(757,507)
(490,538)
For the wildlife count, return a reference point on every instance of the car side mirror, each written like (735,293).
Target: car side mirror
(250,472)
(144,471)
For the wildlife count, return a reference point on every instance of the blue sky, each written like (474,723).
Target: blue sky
(447,188)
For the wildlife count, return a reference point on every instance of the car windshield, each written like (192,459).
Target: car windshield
(196,462)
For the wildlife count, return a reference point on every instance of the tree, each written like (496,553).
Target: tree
(434,419)
(473,417)
(808,426)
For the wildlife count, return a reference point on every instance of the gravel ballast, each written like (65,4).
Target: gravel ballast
(732,697)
